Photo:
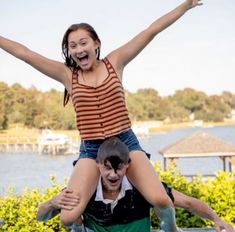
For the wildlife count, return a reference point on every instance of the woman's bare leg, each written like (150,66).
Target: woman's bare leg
(143,176)
(83,182)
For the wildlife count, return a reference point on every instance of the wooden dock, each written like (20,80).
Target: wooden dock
(34,147)
(19,147)
(56,148)
(52,146)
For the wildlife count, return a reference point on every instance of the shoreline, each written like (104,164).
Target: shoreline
(18,133)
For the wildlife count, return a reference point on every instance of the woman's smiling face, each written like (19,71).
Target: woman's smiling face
(82,48)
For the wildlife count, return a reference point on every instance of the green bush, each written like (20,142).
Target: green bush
(19,211)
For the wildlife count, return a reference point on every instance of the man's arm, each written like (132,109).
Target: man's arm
(46,211)
(201,209)
(64,200)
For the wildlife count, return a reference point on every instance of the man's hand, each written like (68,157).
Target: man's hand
(223,226)
(66,199)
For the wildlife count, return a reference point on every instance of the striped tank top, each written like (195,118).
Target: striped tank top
(100,111)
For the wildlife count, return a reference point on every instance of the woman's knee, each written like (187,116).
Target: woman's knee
(68,217)
(84,176)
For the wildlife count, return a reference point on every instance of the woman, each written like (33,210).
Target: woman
(98,98)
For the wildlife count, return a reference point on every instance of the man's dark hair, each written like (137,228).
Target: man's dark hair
(114,151)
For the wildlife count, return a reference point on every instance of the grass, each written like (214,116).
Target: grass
(173,126)
(19,133)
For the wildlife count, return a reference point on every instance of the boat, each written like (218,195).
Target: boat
(141,130)
(55,143)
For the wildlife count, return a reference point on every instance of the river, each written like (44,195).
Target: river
(33,170)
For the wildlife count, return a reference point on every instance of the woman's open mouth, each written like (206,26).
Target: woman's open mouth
(83,60)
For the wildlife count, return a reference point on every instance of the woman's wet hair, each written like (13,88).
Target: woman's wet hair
(113,149)
(65,51)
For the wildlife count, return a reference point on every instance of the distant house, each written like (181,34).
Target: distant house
(233,114)
(200,144)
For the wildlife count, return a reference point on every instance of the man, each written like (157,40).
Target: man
(117,205)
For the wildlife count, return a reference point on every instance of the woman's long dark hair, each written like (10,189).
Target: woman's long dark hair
(65,51)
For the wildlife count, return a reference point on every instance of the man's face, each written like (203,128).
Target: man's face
(112,178)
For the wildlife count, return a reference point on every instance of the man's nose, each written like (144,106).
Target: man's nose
(113,173)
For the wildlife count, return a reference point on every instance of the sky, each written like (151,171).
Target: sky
(197,51)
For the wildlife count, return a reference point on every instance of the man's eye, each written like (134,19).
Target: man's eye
(120,166)
(107,167)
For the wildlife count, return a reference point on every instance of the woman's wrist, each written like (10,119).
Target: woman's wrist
(188,5)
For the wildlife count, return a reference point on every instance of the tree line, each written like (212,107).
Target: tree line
(34,108)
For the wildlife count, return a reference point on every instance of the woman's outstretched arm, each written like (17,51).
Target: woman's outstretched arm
(53,69)
(130,50)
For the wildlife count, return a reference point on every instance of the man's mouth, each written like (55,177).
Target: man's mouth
(113,181)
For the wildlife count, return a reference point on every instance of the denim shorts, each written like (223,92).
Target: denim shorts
(89,148)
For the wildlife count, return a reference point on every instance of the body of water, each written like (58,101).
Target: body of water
(33,170)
